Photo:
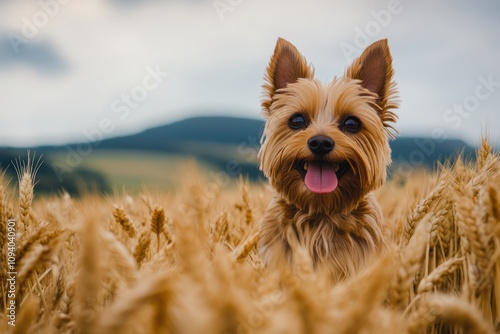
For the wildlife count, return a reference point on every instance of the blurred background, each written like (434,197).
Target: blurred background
(124,93)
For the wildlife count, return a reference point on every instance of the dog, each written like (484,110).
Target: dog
(325,149)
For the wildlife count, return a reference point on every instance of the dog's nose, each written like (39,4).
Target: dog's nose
(320,144)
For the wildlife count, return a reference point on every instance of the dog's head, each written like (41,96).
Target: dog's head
(326,146)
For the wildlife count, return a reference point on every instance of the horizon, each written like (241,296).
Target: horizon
(88,135)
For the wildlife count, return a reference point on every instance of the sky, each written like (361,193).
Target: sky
(73,70)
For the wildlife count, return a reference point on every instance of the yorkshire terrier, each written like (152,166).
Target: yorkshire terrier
(325,149)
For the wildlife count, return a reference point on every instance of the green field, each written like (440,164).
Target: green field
(136,170)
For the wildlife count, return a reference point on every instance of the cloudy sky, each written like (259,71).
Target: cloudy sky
(72,68)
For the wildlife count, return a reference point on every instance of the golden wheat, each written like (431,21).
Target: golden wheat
(438,275)
(423,208)
(158,223)
(122,219)
(142,247)
(85,266)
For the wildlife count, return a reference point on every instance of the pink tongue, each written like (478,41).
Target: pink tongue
(320,177)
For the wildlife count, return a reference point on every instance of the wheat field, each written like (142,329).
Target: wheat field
(187,262)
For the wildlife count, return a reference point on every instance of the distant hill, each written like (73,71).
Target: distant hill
(215,141)
(422,152)
(180,137)
(172,137)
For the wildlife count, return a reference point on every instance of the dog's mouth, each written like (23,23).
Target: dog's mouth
(320,176)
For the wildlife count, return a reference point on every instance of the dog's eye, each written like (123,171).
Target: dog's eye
(297,121)
(352,124)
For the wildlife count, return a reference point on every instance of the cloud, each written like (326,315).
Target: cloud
(103,48)
(41,56)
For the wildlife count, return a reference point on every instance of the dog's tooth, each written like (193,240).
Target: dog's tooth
(337,167)
(306,165)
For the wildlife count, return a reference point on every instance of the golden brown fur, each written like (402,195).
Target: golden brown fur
(341,229)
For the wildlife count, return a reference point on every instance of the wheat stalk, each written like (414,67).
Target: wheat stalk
(422,209)
(473,241)
(25,197)
(63,321)
(372,285)
(439,274)
(246,202)
(445,226)
(142,247)
(124,260)
(27,317)
(220,228)
(483,153)
(89,278)
(158,224)
(490,168)
(244,249)
(27,243)
(494,204)
(439,229)
(38,256)
(26,172)
(410,263)
(122,219)
(449,310)
(118,316)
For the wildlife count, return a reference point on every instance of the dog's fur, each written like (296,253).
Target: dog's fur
(340,229)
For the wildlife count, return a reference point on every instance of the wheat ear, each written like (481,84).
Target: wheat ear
(246,202)
(26,172)
(483,153)
(158,224)
(38,256)
(142,247)
(410,262)
(122,219)
(244,249)
(439,274)
(422,209)
(473,242)
(450,310)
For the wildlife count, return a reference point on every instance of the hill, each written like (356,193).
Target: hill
(218,143)
(215,129)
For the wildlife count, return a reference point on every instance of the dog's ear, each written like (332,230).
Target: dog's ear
(374,69)
(287,65)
